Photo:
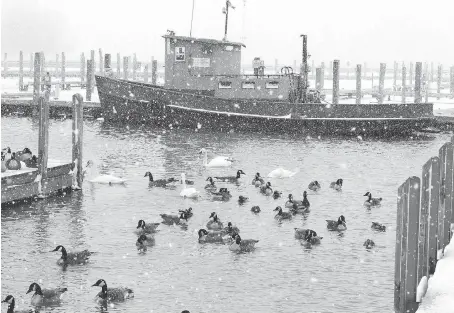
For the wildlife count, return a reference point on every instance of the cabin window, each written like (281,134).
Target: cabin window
(248,85)
(228,48)
(225,85)
(180,54)
(272,85)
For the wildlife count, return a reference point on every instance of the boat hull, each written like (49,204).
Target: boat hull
(123,100)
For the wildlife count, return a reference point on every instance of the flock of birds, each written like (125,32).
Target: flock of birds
(215,231)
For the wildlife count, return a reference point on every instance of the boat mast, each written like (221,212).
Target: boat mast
(226,12)
(304,71)
(192,18)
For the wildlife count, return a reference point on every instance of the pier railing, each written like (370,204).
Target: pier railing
(423,229)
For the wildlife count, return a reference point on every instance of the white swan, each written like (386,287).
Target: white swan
(219,161)
(282,173)
(101,179)
(188,192)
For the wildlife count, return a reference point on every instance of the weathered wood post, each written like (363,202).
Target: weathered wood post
(358,84)
(107,63)
(404,83)
(37,80)
(5,65)
(318,78)
(417,82)
(322,78)
(125,67)
(154,72)
(101,62)
(411,74)
(43,63)
(63,71)
(440,73)
(335,66)
(446,157)
(93,64)
(405,280)
(118,65)
(145,73)
(77,133)
(395,75)
(31,69)
(21,71)
(90,71)
(381,83)
(134,67)
(82,68)
(43,141)
(57,61)
(451,83)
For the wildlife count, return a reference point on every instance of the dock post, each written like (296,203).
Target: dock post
(118,65)
(78,126)
(418,82)
(335,66)
(145,73)
(101,62)
(82,68)
(404,83)
(63,71)
(93,64)
(318,78)
(43,63)
(43,141)
(5,64)
(134,67)
(411,74)
(395,75)
(31,69)
(358,84)
(125,67)
(90,71)
(37,79)
(108,65)
(381,83)
(57,61)
(154,72)
(322,80)
(21,71)
(451,82)
(440,73)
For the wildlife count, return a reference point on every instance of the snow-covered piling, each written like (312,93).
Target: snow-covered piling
(21,70)
(77,132)
(134,67)
(358,84)
(101,62)
(418,82)
(125,67)
(90,70)
(63,71)
(335,72)
(36,78)
(381,83)
(82,68)
(118,65)
(404,83)
(154,72)
(43,136)
(440,73)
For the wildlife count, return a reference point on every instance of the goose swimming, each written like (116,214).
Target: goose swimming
(12,304)
(146,228)
(118,294)
(372,201)
(72,258)
(47,296)
(231,179)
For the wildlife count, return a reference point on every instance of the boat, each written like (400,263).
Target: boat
(204,88)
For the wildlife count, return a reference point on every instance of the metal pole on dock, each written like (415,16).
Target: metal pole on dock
(134,67)
(381,83)
(304,73)
(78,127)
(145,73)
(358,84)
(43,141)
(440,73)
(90,71)
(63,71)
(37,79)
(21,71)
(125,67)
(335,66)
(404,83)
(82,67)
(418,82)
(101,62)
(154,72)
(118,65)
(57,57)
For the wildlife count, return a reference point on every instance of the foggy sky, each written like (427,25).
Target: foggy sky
(349,30)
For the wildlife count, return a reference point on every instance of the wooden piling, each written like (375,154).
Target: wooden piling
(134,67)
(439,75)
(446,157)
(358,84)
(396,67)
(404,84)
(154,72)
(125,67)
(78,126)
(451,83)
(57,61)
(381,83)
(37,79)
(101,62)
(82,67)
(145,73)
(90,70)
(418,82)
(21,71)
(411,74)
(107,61)
(335,66)
(43,139)
(93,64)
(63,71)
(118,65)
(318,78)
(43,63)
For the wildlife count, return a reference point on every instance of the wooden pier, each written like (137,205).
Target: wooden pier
(424,228)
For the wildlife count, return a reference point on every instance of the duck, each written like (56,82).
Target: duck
(231,179)
(282,173)
(242,199)
(240,245)
(255,209)
(188,212)
(282,215)
(223,194)
(118,294)
(311,237)
(369,244)
(277,194)
(13,163)
(215,223)
(188,192)
(158,182)
(24,154)
(11,305)
(340,224)
(143,241)
(372,201)
(32,162)
(211,185)
(258,180)
(174,219)
(43,297)
(210,237)
(266,189)
(219,161)
(378,226)
(337,185)
(314,186)
(72,258)
(146,228)
(230,229)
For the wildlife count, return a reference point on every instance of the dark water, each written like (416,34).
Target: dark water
(281,275)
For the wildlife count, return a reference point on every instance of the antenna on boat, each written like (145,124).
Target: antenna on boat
(304,71)
(192,18)
(226,12)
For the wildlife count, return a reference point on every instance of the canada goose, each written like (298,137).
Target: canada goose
(146,228)
(314,186)
(219,161)
(378,226)
(255,209)
(11,305)
(291,202)
(230,229)
(258,180)
(372,201)
(215,223)
(174,219)
(369,244)
(266,189)
(143,241)
(231,179)
(72,258)
(188,212)
(13,163)
(45,296)
(337,185)
(311,237)
(282,215)
(211,185)
(24,154)
(158,182)
(340,224)
(277,194)
(242,199)
(118,294)
(223,194)
(239,244)
(210,237)
(32,162)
